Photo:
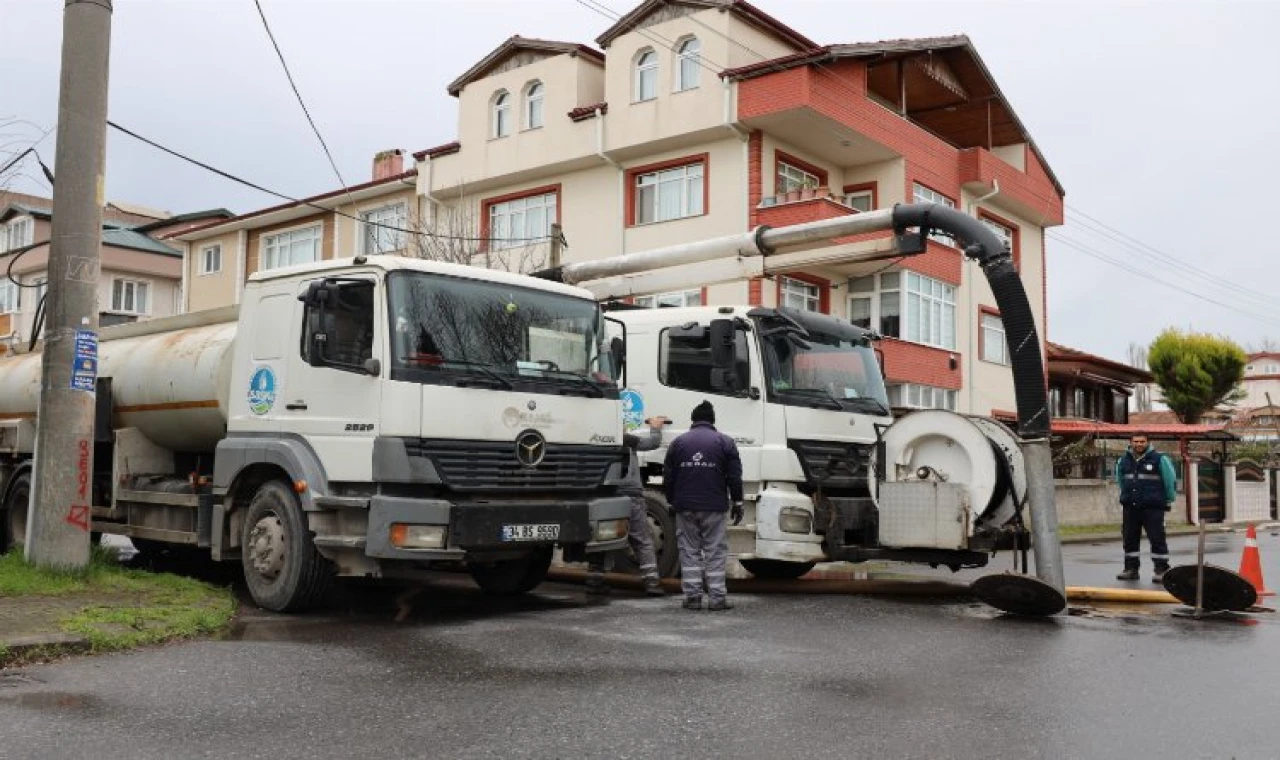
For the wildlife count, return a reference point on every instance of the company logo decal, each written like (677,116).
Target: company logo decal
(262,391)
(632,410)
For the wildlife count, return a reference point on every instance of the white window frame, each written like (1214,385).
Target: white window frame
(929,308)
(1003,231)
(645,76)
(791,177)
(923,194)
(534,102)
(500,115)
(514,223)
(689,180)
(270,246)
(799,294)
(205,251)
(10,300)
(676,299)
(374,240)
(688,64)
(995,346)
(128,290)
(919,396)
(18,232)
(869,196)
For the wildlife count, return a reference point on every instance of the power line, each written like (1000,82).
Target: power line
(298,95)
(268,191)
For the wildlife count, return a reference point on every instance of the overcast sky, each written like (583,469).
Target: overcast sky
(1159,118)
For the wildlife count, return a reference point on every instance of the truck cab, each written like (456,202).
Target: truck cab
(800,393)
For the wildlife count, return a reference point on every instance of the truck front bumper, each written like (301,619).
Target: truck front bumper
(479,526)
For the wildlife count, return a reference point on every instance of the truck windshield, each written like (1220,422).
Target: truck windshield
(824,370)
(445,328)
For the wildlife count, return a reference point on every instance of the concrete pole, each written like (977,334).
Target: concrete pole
(557,243)
(1038,458)
(62,492)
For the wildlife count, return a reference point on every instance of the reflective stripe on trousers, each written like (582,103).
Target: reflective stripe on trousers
(704,550)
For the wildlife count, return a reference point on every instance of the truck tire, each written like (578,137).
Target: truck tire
(282,568)
(662,527)
(773,569)
(13,525)
(512,577)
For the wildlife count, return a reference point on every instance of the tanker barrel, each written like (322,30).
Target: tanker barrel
(746,244)
(826,229)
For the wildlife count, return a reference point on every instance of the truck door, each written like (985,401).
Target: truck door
(713,361)
(333,395)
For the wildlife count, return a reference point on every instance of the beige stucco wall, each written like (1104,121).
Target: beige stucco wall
(1257,391)
(210,291)
(1014,155)
(890,178)
(753,45)
(349,233)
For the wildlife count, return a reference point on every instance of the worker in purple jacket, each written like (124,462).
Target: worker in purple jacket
(702,475)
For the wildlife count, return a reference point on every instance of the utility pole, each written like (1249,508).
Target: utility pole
(557,244)
(62,492)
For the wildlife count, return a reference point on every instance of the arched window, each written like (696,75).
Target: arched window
(502,114)
(533,105)
(646,84)
(688,63)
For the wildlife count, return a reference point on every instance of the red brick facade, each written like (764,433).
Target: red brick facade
(906,362)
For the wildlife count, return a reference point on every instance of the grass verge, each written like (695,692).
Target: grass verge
(110,606)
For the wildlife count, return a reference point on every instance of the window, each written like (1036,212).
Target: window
(210,259)
(348,327)
(129,296)
(798,294)
(668,300)
(502,114)
(684,359)
(922,194)
(689,62)
(8,296)
(1004,232)
(533,106)
(931,311)
(286,249)
(521,221)
(383,229)
(668,194)
(879,309)
(17,233)
(794,178)
(860,200)
(646,83)
(1056,408)
(994,346)
(914,396)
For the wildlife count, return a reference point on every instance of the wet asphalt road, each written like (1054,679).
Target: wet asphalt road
(552,676)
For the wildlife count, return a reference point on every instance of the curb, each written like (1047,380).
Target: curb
(1181,530)
(15,647)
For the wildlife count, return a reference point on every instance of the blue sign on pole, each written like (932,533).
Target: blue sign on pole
(84,368)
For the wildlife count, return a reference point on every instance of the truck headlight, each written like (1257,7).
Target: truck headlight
(608,530)
(795,520)
(407,536)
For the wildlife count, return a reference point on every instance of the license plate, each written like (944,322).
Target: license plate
(546,532)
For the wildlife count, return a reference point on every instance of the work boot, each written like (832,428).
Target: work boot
(1157,574)
(1129,574)
(595,585)
(692,603)
(719,605)
(653,587)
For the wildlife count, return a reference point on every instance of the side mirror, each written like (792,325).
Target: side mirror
(317,294)
(372,367)
(723,355)
(618,355)
(319,339)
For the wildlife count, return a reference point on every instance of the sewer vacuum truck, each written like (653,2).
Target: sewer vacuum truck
(366,417)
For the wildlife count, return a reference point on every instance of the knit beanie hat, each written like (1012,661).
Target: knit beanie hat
(704,412)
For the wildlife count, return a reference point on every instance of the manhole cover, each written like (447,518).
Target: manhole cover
(1019,594)
(1223,589)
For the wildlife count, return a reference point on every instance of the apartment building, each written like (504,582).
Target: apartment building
(218,258)
(140,276)
(701,118)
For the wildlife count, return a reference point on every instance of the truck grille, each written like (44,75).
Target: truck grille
(489,466)
(835,465)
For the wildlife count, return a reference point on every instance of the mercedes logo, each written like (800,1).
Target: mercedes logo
(533,405)
(531,448)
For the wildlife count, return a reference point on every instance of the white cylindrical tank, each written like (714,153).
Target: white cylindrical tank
(173,385)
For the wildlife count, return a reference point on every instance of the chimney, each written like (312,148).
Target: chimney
(388,163)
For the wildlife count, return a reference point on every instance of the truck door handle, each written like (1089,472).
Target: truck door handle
(296,406)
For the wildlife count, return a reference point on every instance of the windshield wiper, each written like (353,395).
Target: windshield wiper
(826,395)
(599,392)
(878,403)
(482,369)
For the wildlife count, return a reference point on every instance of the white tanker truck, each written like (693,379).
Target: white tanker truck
(365,417)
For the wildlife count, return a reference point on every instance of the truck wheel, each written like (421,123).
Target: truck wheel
(13,528)
(512,577)
(662,527)
(773,569)
(282,568)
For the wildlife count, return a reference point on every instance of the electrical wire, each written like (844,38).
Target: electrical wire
(283,196)
(289,75)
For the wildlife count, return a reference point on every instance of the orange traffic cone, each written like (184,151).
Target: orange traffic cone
(1251,563)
